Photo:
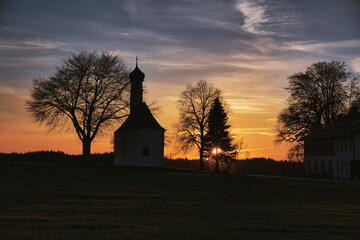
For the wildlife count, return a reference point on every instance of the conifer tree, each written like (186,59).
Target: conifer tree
(218,142)
(194,106)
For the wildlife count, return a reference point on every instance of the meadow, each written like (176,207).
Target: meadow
(69,201)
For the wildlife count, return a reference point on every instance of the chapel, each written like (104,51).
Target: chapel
(139,141)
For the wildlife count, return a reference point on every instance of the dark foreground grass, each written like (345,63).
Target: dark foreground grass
(59,201)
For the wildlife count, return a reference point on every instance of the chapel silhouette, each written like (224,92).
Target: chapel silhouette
(139,141)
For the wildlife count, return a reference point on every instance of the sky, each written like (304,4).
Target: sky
(247,48)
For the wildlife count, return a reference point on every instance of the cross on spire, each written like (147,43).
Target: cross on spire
(136,61)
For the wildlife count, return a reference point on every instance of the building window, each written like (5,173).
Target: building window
(337,167)
(145,151)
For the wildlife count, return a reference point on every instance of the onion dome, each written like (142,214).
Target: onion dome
(137,73)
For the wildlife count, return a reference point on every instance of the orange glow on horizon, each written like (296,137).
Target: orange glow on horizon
(21,134)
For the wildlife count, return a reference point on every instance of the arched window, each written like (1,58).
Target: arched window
(145,151)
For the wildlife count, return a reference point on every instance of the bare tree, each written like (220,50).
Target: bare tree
(89,91)
(354,91)
(318,97)
(194,105)
(240,152)
(240,149)
(296,152)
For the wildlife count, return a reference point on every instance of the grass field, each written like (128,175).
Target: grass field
(64,201)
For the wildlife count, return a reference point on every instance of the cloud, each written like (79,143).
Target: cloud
(138,33)
(172,58)
(254,16)
(31,52)
(261,131)
(10,96)
(220,24)
(321,47)
(31,44)
(43,61)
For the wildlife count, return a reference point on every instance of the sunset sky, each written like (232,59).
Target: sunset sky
(246,48)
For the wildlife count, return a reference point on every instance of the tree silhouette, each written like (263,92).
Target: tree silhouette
(194,105)
(318,97)
(218,142)
(89,92)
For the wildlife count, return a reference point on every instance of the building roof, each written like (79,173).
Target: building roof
(137,73)
(141,119)
(344,127)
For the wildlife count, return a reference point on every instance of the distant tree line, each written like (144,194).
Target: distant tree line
(56,156)
(268,166)
(250,166)
(182,163)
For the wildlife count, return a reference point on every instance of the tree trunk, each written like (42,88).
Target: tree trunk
(86,150)
(217,168)
(237,167)
(201,159)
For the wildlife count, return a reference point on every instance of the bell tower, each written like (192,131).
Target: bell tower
(136,92)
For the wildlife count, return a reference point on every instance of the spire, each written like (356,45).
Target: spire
(137,74)
(136,91)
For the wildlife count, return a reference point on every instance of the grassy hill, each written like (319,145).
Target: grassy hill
(68,201)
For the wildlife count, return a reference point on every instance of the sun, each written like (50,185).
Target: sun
(216,150)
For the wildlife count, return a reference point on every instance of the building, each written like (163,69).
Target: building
(334,151)
(139,141)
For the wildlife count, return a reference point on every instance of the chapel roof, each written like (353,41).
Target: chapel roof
(141,119)
(137,73)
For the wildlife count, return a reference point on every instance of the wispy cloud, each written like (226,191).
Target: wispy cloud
(321,47)
(137,33)
(259,149)
(15,98)
(261,131)
(254,105)
(31,44)
(220,24)
(42,61)
(254,16)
